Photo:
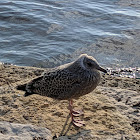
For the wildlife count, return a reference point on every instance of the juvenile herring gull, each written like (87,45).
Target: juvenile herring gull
(67,82)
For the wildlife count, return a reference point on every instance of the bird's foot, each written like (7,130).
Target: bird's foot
(78,123)
(77,113)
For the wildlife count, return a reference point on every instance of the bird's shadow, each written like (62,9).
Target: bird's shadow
(64,131)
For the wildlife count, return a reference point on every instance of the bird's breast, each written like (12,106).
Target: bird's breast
(88,84)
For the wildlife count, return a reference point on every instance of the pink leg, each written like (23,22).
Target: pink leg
(75,113)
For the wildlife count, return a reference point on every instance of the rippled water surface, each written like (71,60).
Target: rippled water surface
(48,33)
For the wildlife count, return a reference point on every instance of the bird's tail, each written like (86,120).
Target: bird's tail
(27,94)
(21,87)
(28,87)
(24,88)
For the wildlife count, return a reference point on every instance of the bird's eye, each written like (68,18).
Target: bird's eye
(89,64)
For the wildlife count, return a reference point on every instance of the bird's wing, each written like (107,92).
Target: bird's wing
(56,84)
(65,83)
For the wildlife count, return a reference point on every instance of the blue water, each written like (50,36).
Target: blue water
(48,33)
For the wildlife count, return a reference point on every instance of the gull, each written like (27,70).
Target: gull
(67,82)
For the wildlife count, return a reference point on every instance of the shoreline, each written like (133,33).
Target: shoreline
(127,72)
(111,111)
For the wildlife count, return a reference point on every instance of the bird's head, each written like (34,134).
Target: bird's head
(90,63)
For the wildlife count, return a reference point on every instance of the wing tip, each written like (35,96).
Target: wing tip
(27,94)
(21,87)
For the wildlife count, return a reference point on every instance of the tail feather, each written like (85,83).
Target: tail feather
(28,87)
(24,88)
(21,87)
(27,94)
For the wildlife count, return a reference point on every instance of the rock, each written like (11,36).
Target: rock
(127,102)
(16,131)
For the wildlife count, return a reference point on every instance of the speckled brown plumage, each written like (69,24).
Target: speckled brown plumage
(67,81)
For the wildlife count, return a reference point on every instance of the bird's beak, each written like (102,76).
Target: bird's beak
(102,69)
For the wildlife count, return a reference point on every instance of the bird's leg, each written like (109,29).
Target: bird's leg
(74,113)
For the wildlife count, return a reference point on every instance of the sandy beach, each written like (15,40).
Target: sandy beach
(110,112)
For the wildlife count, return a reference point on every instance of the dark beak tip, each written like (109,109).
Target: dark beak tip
(103,70)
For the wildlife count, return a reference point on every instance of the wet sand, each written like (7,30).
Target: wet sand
(111,111)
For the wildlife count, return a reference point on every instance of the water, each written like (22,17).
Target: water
(47,33)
